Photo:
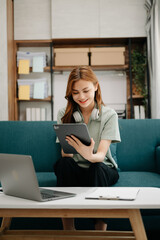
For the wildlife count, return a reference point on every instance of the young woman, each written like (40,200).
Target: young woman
(93,165)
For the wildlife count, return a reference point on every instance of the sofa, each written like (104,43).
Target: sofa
(137,155)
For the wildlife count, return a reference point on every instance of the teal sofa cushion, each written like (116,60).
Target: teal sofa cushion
(139,140)
(46,179)
(113,148)
(31,138)
(138,179)
(158,159)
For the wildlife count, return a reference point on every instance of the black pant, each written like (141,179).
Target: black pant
(69,174)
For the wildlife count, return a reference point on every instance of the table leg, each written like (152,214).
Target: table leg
(137,224)
(5,225)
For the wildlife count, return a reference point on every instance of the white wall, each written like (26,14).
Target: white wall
(113,86)
(98,18)
(122,18)
(39,19)
(32,19)
(75,18)
(3,62)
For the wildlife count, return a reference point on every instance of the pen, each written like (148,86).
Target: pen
(108,198)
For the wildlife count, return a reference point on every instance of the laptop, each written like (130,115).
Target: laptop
(18,179)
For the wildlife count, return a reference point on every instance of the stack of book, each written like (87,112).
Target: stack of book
(35,114)
(139,112)
(30,56)
(32,88)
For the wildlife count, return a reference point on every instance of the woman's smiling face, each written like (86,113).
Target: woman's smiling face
(83,93)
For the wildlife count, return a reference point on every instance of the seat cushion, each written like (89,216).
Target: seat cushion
(46,179)
(139,140)
(138,179)
(113,148)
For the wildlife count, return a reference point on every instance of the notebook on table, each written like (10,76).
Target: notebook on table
(114,193)
(18,179)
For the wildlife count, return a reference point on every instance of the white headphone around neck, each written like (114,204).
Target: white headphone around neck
(94,115)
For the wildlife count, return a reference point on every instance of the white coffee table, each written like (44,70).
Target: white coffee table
(78,207)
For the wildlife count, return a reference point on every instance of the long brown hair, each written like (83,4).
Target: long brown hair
(80,73)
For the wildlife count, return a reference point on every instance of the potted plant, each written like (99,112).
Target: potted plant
(138,60)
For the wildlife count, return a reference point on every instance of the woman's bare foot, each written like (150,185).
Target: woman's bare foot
(100,225)
(68,223)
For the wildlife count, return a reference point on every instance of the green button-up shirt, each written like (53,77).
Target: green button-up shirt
(105,127)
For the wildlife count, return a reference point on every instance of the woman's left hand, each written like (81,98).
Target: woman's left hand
(82,149)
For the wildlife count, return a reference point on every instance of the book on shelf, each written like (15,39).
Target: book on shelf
(139,112)
(30,55)
(136,112)
(43,114)
(38,87)
(39,90)
(24,92)
(23,67)
(142,112)
(37,64)
(35,114)
(38,114)
(28,114)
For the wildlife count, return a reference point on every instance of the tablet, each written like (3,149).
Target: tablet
(79,130)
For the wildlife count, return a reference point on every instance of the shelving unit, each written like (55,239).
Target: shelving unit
(26,44)
(133,97)
(81,43)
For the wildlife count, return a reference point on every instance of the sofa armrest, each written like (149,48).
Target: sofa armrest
(158,158)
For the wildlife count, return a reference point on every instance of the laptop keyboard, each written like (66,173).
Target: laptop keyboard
(48,194)
(45,196)
(51,194)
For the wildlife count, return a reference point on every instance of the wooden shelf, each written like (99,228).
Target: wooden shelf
(33,43)
(94,42)
(35,100)
(136,97)
(45,69)
(111,67)
(97,68)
